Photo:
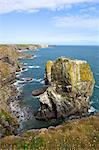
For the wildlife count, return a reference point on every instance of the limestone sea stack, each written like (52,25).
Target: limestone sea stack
(71,86)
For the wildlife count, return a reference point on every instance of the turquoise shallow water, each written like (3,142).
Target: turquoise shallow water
(36,69)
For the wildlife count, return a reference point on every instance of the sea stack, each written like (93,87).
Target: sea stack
(71,86)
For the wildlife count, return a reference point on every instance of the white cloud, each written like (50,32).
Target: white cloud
(91,9)
(7,6)
(78,28)
(77,23)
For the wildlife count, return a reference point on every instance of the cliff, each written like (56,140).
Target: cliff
(71,86)
(25,46)
(8,67)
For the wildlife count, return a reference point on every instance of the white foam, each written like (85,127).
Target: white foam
(33,67)
(92,109)
(37,80)
(97,86)
(24,50)
(34,56)
(24,70)
(42,82)
(25,80)
(25,63)
(19,85)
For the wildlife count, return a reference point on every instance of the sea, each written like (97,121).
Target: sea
(35,69)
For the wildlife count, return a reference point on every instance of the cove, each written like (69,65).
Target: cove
(35,69)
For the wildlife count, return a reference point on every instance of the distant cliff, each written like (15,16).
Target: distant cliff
(26,46)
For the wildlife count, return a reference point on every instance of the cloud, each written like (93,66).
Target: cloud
(7,6)
(91,9)
(77,22)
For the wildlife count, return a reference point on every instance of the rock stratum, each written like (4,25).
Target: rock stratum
(71,86)
(8,67)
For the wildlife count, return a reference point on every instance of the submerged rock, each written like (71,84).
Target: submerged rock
(71,86)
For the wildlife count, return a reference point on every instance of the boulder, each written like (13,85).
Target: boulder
(71,86)
(39,91)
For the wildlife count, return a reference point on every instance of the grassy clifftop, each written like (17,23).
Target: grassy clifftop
(8,61)
(72,135)
(6,50)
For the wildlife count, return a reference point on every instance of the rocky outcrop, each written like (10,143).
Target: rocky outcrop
(8,67)
(71,86)
(39,91)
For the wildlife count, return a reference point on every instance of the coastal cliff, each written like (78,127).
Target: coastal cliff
(71,86)
(11,113)
(25,46)
(8,67)
(67,83)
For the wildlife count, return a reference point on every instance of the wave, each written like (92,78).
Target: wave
(97,86)
(37,80)
(24,70)
(25,64)
(19,85)
(25,80)
(92,109)
(42,82)
(97,74)
(18,74)
(34,56)
(33,67)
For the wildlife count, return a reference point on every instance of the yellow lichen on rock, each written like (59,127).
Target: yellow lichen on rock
(48,72)
(71,86)
(85,72)
(48,66)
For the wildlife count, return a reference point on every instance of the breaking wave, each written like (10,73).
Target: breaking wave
(33,67)
(97,86)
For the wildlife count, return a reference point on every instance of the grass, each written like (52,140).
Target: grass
(73,135)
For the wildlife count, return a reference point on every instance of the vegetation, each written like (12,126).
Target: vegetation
(48,66)
(85,72)
(78,134)
(8,66)
(4,69)
(6,50)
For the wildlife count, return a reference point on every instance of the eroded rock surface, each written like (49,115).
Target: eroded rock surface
(71,86)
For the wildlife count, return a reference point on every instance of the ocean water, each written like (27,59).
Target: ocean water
(36,68)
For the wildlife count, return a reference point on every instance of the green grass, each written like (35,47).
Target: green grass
(73,135)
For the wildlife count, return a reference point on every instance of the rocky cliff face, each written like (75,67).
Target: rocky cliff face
(8,67)
(71,86)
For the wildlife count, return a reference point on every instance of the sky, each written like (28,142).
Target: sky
(61,22)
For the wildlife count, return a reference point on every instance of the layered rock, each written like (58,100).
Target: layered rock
(71,86)
(8,67)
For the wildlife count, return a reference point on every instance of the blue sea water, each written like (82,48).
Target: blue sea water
(36,69)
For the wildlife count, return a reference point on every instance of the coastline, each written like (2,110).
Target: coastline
(52,137)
